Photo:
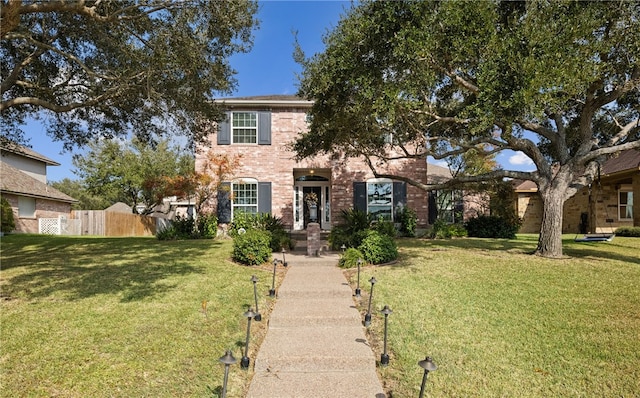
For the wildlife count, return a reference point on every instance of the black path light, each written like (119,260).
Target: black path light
(227,359)
(428,366)
(244,362)
(358,291)
(384,358)
(272,291)
(367,317)
(258,317)
(284,261)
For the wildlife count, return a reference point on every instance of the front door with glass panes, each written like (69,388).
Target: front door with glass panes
(311,204)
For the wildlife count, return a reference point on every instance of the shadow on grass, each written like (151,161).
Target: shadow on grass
(621,249)
(78,267)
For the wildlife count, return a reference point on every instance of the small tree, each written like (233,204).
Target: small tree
(8,224)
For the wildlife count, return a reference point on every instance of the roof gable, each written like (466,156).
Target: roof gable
(15,181)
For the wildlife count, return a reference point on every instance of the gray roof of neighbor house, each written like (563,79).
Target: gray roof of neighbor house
(28,153)
(624,161)
(15,181)
(437,174)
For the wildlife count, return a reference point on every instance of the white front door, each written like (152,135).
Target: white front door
(301,214)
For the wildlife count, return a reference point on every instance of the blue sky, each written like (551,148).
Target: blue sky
(268,69)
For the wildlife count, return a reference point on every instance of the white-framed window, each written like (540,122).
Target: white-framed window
(449,206)
(625,203)
(26,207)
(244,198)
(380,198)
(244,127)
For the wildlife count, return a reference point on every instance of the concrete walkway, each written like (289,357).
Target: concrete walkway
(315,345)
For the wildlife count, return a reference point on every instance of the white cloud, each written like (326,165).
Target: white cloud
(520,159)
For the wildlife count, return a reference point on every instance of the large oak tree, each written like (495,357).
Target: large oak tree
(104,68)
(557,80)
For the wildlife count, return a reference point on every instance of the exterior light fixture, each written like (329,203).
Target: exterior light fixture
(244,362)
(343,247)
(272,291)
(227,359)
(367,317)
(428,366)
(384,358)
(284,260)
(358,291)
(257,317)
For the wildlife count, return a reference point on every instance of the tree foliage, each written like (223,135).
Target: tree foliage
(102,68)
(87,200)
(558,81)
(137,173)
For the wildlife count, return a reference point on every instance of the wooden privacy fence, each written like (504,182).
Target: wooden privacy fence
(109,223)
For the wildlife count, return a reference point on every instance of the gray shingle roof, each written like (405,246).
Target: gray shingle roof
(15,181)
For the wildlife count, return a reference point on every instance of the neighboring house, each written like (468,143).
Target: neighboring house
(601,208)
(270,180)
(23,182)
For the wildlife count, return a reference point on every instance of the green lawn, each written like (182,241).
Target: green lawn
(123,317)
(500,322)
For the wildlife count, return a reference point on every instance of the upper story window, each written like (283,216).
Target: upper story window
(625,203)
(380,198)
(244,127)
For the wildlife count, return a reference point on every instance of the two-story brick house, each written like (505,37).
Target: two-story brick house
(23,182)
(270,180)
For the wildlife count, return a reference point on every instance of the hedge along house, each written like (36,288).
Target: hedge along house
(610,202)
(23,182)
(270,180)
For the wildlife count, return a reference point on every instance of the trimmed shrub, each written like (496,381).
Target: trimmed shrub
(252,247)
(207,226)
(633,232)
(378,248)
(350,258)
(6,212)
(408,219)
(386,228)
(442,230)
(169,232)
(492,227)
(349,233)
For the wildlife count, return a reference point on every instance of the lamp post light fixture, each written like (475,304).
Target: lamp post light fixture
(367,317)
(428,366)
(244,362)
(343,247)
(227,359)
(358,291)
(272,291)
(257,317)
(284,261)
(384,358)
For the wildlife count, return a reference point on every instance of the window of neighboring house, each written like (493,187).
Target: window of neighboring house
(244,127)
(449,204)
(380,198)
(244,196)
(26,207)
(625,204)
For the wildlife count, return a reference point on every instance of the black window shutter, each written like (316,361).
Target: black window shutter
(399,194)
(360,196)
(433,207)
(264,197)
(264,128)
(224,130)
(224,203)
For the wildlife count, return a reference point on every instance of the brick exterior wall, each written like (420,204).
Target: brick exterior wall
(275,163)
(603,217)
(45,208)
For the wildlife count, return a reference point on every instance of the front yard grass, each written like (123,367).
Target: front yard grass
(123,317)
(500,322)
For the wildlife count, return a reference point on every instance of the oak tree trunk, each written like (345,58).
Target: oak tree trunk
(550,240)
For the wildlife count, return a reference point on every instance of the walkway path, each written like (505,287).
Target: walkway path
(315,345)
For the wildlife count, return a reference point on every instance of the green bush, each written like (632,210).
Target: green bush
(386,228)
(169,232)
(207,226)
(8,224)
(279,237)
(350,258)
(349,232)
(492,227)
(633,232)
(378,248)
(252,247)
(408,221)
